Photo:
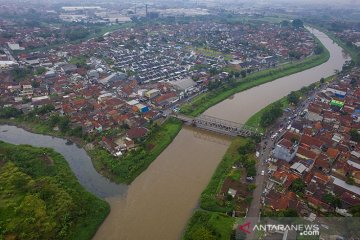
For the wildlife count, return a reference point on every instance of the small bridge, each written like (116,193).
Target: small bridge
(218,125)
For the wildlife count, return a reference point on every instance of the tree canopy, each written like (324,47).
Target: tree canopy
(297,186)
(271,115)
(293,98)
(297,23)
(41,198)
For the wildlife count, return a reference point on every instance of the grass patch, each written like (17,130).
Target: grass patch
(204,101)
(126,169)
(209,225)
(212,53)
(235,174)
(40,198)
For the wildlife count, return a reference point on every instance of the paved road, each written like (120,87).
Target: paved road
(253,214)
(254,209)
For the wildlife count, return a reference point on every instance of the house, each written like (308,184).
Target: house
(281,201)
(118,76)
(232,192)
(298,168)
(285,150)
(68,68)
(279,177)
(137,132)
(152,93)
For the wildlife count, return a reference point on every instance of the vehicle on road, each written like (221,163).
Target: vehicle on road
(262,173)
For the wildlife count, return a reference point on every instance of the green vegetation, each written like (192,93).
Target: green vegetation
(201,103)
(127,168)
(40,197)
(39,71)
(271,114)
(293,98)
(41,120)
(208,200)
(297,23)
(212,53)
(355,135)
(355,211)
(20,74)
(235,174)
(9,112)
(267,212)
(332,200)
(209,226)
(76,34)
(79,61)
(298,186)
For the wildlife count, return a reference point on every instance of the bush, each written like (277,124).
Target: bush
(10,112)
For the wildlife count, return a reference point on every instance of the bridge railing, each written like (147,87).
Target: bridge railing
(220,125)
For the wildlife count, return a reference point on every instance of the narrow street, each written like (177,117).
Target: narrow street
(266,146)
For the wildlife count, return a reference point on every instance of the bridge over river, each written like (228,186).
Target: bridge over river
(218,125)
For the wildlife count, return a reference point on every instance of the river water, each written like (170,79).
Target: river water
(159,202)
(79,162)
(242,106)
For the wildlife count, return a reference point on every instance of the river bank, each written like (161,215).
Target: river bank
(170,188)
(204,101)
(210,219)
(202,219)
(119,170)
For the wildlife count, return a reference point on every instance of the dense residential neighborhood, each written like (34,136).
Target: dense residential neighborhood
(125,79)
(314,163)
(184,120)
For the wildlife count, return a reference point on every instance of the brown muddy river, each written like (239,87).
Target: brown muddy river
(157,205)
(160,201)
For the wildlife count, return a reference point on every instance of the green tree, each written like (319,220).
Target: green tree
(318,50)
(40,71)
(243,73)
(355,211)
(332,200)
(9,112)
(297,23)
(270,115)
(293,98)
(79,61)
(44,109)
(297,186)
(355,135)
(201,233)
(285,23)
(248,147)
(64,124)
(31,220)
